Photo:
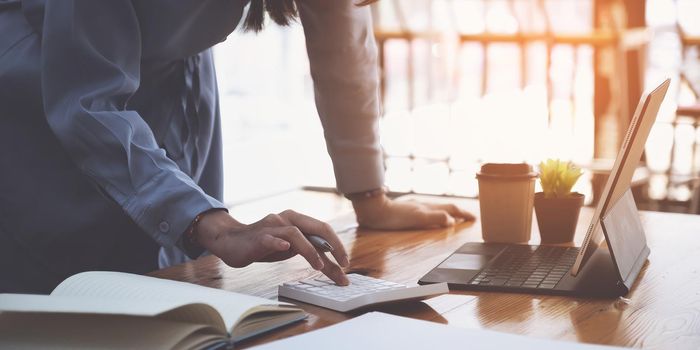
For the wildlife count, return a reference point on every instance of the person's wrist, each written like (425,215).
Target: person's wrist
(189,241)
(363,195)
(370,209)
(212,225)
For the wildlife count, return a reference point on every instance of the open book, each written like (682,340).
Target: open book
(119,310)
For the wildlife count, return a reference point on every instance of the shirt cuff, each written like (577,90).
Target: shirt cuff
(165,207)
(358,170)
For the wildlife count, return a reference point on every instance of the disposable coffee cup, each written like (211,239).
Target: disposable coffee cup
(506,196)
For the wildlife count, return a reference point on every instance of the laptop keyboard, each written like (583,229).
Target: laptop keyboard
(524,266)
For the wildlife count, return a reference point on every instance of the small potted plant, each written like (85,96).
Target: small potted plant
(556,207)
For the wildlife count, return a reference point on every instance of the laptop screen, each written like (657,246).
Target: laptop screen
(618,182)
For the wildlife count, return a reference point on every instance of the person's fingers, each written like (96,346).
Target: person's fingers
(278,256)
(436,218)
(271,220)
(334,272)
(265,244)
(301,245)
(455,211)
(309,225)
(273,243)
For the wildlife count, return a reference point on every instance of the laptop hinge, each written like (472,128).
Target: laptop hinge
(637,268)
(599,277)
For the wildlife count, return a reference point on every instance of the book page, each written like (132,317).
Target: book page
(194,313)
(56,331)
(144,290)
(262,322)
(86,304)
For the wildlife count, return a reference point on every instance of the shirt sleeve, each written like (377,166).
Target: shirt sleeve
(91,53)
(343,59)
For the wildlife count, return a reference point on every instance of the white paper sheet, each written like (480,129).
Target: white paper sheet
(376,330)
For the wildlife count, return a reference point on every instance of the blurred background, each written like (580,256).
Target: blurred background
(465,82)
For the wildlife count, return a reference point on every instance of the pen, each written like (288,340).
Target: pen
(320,243)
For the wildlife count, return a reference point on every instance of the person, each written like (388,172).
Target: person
(111,140)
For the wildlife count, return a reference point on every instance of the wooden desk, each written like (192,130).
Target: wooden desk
(663,310)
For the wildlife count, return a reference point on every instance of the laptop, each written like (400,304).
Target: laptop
(594,269)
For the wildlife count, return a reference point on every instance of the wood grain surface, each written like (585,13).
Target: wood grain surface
(661,312)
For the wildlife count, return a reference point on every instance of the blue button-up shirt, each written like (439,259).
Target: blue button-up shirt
(109,124)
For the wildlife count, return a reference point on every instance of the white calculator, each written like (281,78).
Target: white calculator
(363,291)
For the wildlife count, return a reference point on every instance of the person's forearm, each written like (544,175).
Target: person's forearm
(343,62)
(85,90)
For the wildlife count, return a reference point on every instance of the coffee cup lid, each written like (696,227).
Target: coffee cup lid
(506,171)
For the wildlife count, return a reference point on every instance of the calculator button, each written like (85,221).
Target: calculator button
(314,283)
(362,291)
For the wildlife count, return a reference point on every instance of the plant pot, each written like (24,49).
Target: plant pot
(557,217)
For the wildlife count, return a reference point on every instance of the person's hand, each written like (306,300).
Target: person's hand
(382,213)
(276,237)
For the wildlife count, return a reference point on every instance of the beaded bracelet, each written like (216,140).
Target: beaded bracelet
(191,233)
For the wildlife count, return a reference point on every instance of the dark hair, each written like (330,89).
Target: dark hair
(282,12)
